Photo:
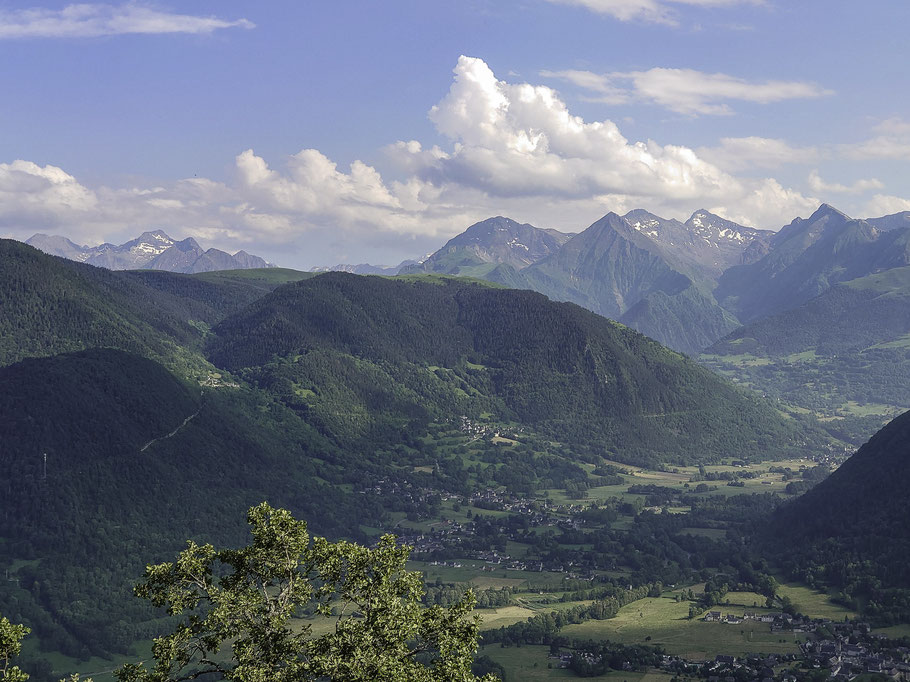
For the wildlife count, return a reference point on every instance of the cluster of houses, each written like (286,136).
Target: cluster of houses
(405,491)
(853,651)
(726,668)
(847,649)
(481,430)
(215,380)
(429,545)
(732,619)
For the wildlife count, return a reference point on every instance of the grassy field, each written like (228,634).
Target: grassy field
(504,616)
(680,478)
(666,622)
(814,603)
(747,600)
(526,663)
(894,631)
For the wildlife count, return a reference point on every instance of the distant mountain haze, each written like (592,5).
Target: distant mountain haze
(659,272)
(491,242)
(809,256)
(366,268)
(686,284)
(153,250)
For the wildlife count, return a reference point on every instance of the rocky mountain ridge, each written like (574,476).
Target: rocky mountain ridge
(152,250)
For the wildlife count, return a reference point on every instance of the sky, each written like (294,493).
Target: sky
(317,133)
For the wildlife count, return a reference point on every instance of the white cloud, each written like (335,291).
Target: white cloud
(890,141)
(656,11)
(514,140)
(860,186)
(883,204)
(93,20)
(739,153)
(686,91)
(512,149)
(46,193)
(600,84)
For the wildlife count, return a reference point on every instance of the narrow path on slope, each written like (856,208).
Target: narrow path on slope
(174,432)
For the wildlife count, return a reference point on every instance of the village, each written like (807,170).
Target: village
(835,650)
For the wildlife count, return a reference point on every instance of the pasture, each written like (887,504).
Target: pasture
(665,622)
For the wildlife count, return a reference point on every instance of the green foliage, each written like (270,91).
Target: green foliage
(51,305)
(245,599)
(10,644)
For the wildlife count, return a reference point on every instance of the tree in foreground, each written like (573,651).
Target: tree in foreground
(242,610)
(10,644)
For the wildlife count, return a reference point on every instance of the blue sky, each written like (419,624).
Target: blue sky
(317,133)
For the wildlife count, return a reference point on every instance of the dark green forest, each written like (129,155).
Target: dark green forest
(567,372)
(850,532)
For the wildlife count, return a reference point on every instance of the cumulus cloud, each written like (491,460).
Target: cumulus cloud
(259,205)
(883,204)
(47,193)
(94,20)
(656,11)
(511,149)
(860,186)
(686,91)
(740,153)
(513,140)
(890,140)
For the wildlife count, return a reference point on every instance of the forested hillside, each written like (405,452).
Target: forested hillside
(850,532)
(119,491)
(576,376)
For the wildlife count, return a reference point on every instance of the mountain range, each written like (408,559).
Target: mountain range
(827,325)
(807,257)
(686,284)
(653,274)
(152,250)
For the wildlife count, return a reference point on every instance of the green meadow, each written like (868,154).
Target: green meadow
(665,622)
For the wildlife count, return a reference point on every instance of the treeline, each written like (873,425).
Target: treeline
(544,627)
(446,595)
(592,659)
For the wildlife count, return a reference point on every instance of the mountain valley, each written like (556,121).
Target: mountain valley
(491,428)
